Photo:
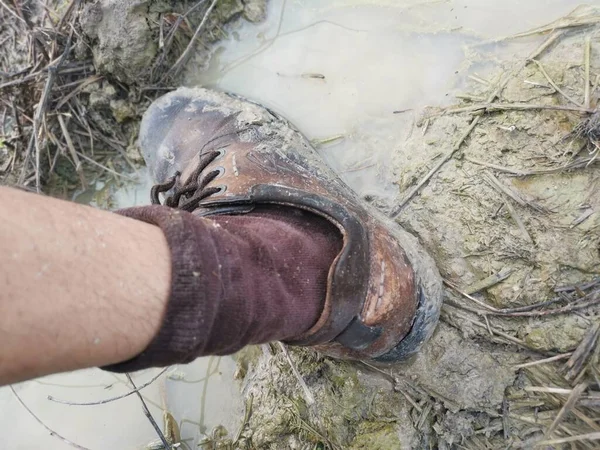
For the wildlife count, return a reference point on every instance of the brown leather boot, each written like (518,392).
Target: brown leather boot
(215,154)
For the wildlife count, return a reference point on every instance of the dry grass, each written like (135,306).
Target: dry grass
(45,124)
(52,138)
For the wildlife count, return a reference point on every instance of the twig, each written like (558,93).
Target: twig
(496,310)
(528,311)
(426,127)
(388,376)
(518,221)
(578,287)
(71,147)
(328,140)
(562,25)
(488,281)
(505,418)
(547,43)
(548,390)
(398,209)
(586,63)
(50,430)
(310,399)
(359,168)
(53,70)
(79,88)
(569,404)
(542,361)
(497,333)
(573,366)
(41,111)
(493,107)
(11,12)
(166,44)
(67,13)
(247,414)
(112,399)
(162,437)
(479,80)
(95,163)
(579,164)
(186,54)
(553,84)
(517,197)
(586,419)
(573,306)
(496,167)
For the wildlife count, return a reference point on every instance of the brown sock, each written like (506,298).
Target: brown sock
(237,280)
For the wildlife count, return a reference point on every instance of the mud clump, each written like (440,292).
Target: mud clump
(127,36)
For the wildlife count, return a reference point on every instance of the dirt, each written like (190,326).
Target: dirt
(463,390)
(456,215)
(126,36)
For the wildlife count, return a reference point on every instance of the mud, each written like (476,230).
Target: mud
(456,215)
(126,37)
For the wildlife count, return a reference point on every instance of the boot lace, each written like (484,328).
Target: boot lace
(187,195)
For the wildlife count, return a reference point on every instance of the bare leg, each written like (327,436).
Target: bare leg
(79,287)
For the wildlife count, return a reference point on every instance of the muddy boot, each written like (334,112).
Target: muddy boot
(217,155)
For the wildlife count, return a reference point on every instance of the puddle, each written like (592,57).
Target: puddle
(115,194)
(342,68)
(352,75)
(200,395)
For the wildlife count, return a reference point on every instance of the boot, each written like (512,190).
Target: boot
(216,155)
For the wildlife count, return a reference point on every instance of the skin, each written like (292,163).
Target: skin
(79,287)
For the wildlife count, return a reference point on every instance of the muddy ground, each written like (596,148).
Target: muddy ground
(511,216)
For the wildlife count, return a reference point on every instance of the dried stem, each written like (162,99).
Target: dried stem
(569,404)
(162,437)
(586,63)
(543,361)
(190,47)
(493,107)
(553,84)
(112,399)
(310,399)
(50,430)
(591,299)
(53,70)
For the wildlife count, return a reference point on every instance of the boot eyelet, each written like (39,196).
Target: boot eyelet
(222,189)
(221,171)
(221,152)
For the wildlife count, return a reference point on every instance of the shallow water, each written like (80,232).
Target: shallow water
(342,68)
(337,69)
(202,395)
